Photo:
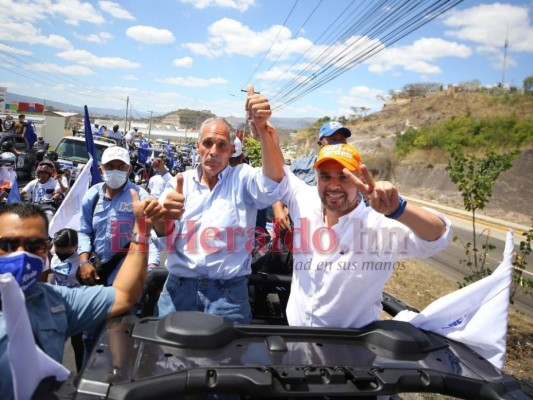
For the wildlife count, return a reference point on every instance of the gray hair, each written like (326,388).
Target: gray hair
(232,135)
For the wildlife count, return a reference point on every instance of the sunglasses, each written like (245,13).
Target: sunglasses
(31,245)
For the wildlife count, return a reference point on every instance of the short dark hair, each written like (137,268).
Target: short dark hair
(66,237)
(25,210)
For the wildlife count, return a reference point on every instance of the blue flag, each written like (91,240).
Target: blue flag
(95,174)
(170,156)
(14,195)
(142,151)
(31,135)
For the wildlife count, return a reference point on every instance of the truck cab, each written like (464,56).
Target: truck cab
(72,152)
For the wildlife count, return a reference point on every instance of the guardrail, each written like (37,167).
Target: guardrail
(490,221)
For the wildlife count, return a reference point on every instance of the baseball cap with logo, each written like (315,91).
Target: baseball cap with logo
(344,154)
(329,128)
(238,148)
(115,153)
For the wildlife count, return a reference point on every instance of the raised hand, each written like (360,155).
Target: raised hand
(174,202)
(382,195)
(147,212)
(258,111)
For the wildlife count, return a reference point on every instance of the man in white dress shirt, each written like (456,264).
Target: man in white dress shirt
(344,250)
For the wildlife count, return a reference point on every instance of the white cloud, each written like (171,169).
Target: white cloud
(61,69)
(24,32)
(241,5)
(150,35)
(193,82)
(13,51)
(86,58)
(360,96)
(230,37)
(185,62)
(419,57)
(72,12)
(115,10)
(101,38)
(489,24)
(279,73)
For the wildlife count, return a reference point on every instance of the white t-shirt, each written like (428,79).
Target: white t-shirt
(42,191)
(130,135)
(7,174)
(157,184)
(65,271)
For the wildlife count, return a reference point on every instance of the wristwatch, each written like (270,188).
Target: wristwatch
(138,238)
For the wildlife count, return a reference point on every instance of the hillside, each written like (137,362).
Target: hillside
(422,174)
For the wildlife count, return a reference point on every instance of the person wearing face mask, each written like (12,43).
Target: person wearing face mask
(106,224)
(57,312)
(107,220)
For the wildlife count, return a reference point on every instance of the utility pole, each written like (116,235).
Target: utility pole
(126,116)
(150,125)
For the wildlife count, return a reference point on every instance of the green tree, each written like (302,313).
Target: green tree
(528,85)
(252,149)
(475,178)
(520,282)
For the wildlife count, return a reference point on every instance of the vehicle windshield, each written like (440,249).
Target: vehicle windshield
(76,150)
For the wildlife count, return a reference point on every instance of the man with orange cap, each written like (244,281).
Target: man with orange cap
(345,250)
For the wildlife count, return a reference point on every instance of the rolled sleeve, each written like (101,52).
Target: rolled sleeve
(427,248)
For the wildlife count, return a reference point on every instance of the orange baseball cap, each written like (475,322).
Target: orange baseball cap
(344,154)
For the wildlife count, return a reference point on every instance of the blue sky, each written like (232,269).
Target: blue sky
(199,54)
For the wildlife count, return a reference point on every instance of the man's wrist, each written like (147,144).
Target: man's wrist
(399,211)
(139,238)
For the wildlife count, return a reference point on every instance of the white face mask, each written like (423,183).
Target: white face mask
(115,179)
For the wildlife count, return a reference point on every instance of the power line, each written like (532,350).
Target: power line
(73,83)
(373,26)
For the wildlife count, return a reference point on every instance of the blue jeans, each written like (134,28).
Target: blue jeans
(225,298)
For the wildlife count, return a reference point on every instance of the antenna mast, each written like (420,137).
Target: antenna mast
(506,44)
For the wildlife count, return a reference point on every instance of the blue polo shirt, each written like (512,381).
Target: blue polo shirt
(56,313)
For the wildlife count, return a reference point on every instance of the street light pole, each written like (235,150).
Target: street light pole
(150,126)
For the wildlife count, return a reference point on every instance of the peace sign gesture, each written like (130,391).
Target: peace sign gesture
(382,195)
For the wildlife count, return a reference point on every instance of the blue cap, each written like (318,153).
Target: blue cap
(329,128)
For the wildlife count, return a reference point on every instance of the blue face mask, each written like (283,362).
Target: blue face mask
(25,267)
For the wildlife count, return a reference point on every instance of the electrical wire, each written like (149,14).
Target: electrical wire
(378,25)
(73,83)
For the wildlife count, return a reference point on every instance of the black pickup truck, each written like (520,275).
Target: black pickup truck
(26,156)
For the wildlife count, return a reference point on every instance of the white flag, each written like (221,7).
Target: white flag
(28,363)
(68,215)
(475,315)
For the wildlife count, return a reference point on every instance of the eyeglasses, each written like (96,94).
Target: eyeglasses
(32,245)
